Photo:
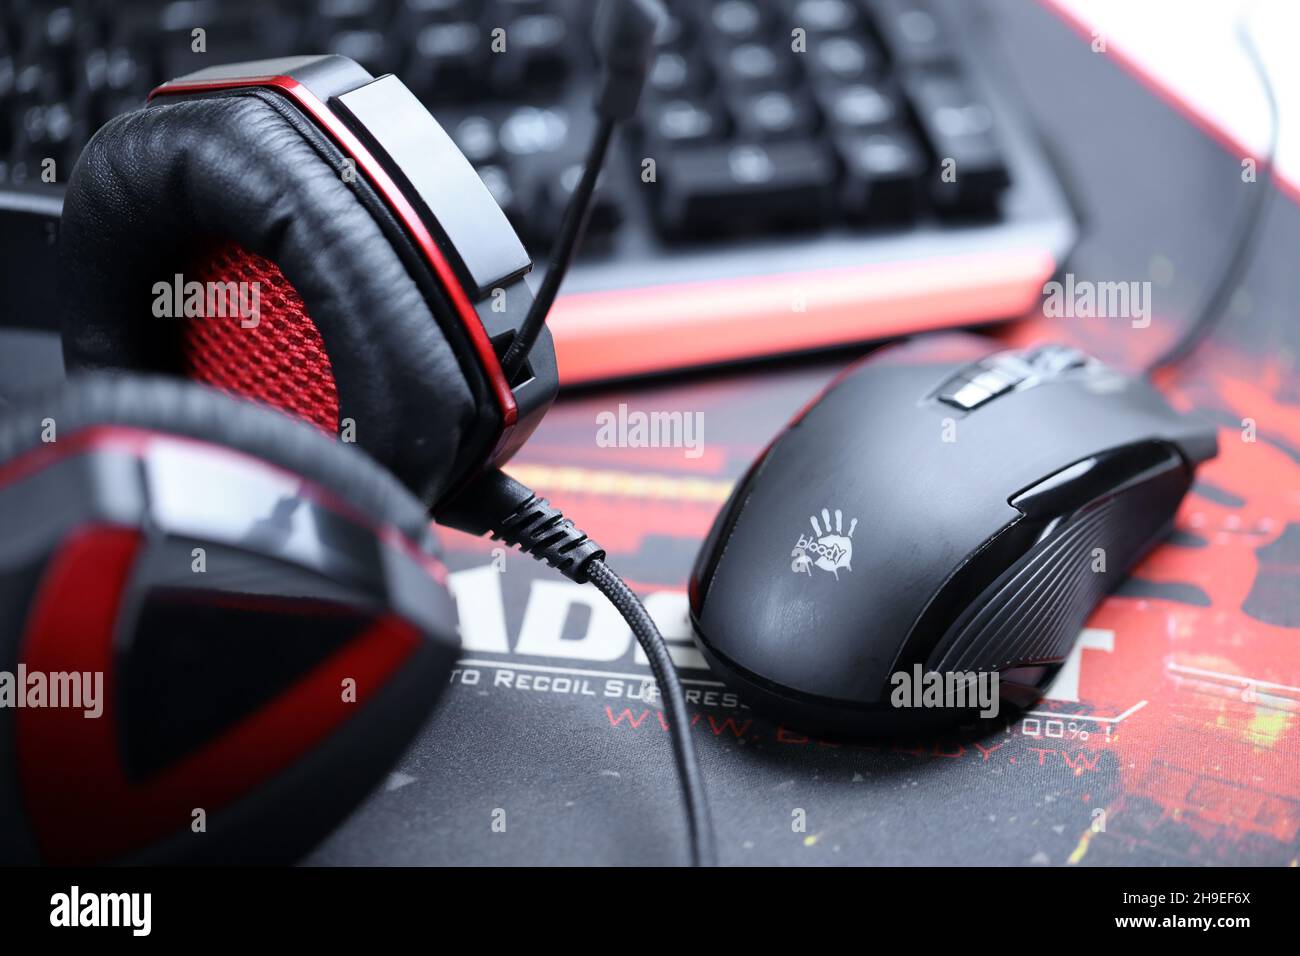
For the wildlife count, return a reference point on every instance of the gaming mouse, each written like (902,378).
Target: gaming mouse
(939,515)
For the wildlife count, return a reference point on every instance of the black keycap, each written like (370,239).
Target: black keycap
(367,47)
(506,10)
(912,31)
(740,185)
(683,122)
(735,21)
(336,15)
(412,15)
(753,66)
(447,61)
(674,75)
(230,33)
(824,16)
(883,175)
(859,107)
(773,114)
(842,59)
(529,131)
(971,173)
(535,54)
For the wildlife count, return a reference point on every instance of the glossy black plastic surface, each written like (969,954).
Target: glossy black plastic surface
(881,521)
(451,199)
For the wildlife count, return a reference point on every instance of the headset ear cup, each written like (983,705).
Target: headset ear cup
(224,687)
(178,408)
(235,188)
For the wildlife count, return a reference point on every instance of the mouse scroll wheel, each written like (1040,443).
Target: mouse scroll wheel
(976,385)
(1048,360)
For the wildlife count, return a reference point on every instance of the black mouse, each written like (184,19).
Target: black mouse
(938,510)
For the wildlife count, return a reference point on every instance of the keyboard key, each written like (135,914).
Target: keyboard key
(736,21)
(367,47)
(753,66)
(447,60)
(841,59)
(912,32)
(674,75)
(861,107)
(882,175)
(740,185)
(959,126)
(510,9)
(337,15)
(773,114)
(413,15)
(824,16)
(535,54)
(529,131)
(683,122)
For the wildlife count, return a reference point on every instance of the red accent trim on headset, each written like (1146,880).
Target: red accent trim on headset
(138,441)
(77,796)
(346,140)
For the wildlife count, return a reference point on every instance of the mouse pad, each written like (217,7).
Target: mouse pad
(1171,736)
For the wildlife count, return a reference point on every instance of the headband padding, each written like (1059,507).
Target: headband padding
(174,407)
(154,188)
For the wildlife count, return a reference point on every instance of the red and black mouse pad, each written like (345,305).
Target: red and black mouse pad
(1171,736)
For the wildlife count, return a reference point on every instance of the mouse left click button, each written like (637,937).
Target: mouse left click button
(975,386)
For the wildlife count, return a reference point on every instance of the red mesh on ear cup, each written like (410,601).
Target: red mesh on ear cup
(279,360)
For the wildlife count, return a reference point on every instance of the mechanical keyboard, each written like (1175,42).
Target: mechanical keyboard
(782,190)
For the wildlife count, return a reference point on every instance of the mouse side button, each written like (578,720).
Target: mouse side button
(1097,519)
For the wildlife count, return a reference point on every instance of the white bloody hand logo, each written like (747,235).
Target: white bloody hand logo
(829,547)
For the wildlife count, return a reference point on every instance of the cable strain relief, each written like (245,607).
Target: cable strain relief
(497,504)
(543,531)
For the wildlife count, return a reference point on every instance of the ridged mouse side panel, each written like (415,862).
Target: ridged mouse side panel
(1038,608)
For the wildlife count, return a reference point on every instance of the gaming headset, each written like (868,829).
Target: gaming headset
(265,605)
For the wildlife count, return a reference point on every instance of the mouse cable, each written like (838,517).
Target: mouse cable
(1247,233)
(497,504)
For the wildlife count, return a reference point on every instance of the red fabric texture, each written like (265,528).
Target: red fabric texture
(276,357)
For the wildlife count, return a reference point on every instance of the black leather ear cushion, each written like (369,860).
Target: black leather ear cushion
(174,407)
(158,184)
